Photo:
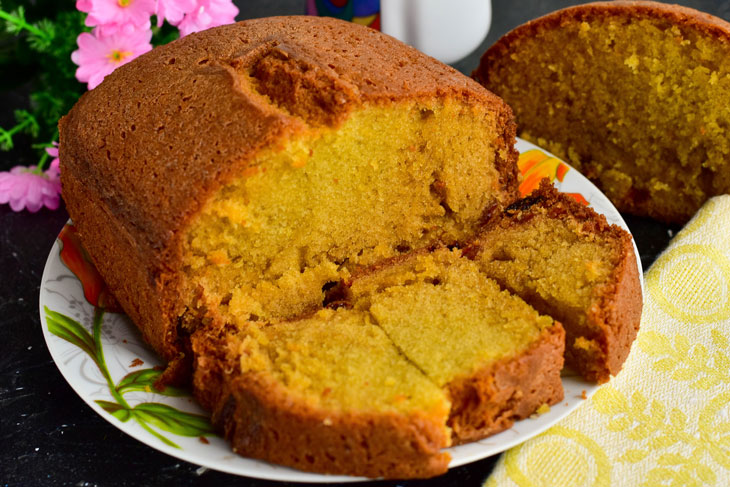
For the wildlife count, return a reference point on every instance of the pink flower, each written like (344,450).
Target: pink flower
(173,10)
(117,12)
(106,30)
(24,188)
(99,55)
(53,169)
(207,14)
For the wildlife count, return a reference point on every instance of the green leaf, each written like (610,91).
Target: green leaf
(15,20)
(6,139)
(27,121)
(173,420)
(144,380)
(41,42)
(120,412)
(71,330)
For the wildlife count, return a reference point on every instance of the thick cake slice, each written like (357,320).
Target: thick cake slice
(494,356)
(565,260)
(633,94)
(329,393)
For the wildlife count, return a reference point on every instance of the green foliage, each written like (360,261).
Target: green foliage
(45,47)
(38,49)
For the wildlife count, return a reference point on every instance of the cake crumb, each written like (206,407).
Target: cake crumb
(583,394)
(632,62)
(136,362)
(204,440)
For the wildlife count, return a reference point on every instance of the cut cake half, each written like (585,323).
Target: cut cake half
(634,94)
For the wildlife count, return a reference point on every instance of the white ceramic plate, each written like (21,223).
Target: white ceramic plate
(116,383)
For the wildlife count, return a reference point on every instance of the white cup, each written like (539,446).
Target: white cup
(445,29)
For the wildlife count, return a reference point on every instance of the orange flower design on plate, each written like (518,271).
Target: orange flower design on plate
(535,166)
(78,261)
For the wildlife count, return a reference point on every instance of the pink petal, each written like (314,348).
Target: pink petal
(33,205)
(51,202)
(17,204)
(84,5)
(18,190)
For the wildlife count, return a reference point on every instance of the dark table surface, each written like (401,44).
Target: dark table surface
(49,437)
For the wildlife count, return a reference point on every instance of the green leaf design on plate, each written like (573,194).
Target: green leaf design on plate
(72,331)
(173,420)
(144,380)
(115,409)
(146,414)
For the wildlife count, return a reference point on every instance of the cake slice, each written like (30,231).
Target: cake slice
(493,355)
(329,393)
(567,262)
(632,94)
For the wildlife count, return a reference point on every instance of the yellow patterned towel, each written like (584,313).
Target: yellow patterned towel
(665,419)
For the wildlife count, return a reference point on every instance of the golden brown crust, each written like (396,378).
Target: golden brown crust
(490,400)
(161,134)
(615,310)
(674,14)
(619,315)
(262,420)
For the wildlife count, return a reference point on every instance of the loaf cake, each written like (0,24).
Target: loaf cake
(229,175)
(287,209)
(566,261)
(632,94)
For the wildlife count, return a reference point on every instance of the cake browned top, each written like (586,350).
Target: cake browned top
(164,131)
(676,14)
